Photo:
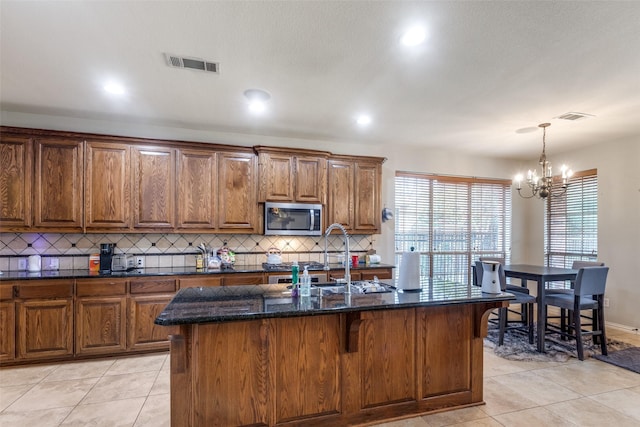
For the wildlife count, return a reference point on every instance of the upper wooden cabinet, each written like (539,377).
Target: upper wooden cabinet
(108,186)
(354,193)
(153,187)
(16,165)
(289,175)
(237,198)
(196,184)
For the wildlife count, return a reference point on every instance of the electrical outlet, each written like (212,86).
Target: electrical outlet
(54,264)
(22,264)
(139,262)
(606,302)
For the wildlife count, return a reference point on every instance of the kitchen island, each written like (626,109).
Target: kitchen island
(253,355)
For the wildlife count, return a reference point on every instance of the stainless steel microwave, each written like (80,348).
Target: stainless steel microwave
(292,219)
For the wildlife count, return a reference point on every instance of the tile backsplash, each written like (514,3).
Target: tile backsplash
(167,250)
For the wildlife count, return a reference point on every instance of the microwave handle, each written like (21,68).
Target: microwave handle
(313,220)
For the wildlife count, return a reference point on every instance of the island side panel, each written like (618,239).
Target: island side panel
(307,365)
(388,357)
(230,375)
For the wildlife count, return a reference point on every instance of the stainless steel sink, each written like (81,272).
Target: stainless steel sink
(357,287)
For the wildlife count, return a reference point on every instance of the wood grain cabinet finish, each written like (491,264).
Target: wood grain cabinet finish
(58,189)
(354,194)
(16,165)
(108,186)
(196,189)
(237,197)
(100,316)
(153,187)
(144,334)
(7,331)
(292,176)
(45,319)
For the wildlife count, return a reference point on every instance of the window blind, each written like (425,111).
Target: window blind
(451,222)
(571,222)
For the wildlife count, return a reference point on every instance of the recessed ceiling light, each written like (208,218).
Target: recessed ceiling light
(257,100)
(114,88)
(363,119)
(414,36)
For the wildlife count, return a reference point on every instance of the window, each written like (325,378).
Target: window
(451,221)
(571,222)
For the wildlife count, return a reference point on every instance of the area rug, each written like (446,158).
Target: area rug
(516,347)
(629,358)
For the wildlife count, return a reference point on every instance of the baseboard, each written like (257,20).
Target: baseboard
(622,327)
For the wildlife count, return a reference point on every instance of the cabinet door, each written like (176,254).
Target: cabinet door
(310,179)
(276,177)
(237,201)
(144,334)
(108,186)
(153,187)
(16,164)
(340,197)
(101,325)
(45,328)
(7,331)
(196,189)
(367,198)
(58,184)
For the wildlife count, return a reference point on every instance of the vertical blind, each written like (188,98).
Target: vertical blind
(451,221)
(571,222)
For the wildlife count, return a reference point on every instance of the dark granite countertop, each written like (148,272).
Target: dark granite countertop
(158,271)
(229,303)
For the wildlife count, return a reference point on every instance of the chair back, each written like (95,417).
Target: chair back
(591,281)
(577,265)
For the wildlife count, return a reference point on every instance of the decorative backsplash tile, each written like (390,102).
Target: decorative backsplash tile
(168,250)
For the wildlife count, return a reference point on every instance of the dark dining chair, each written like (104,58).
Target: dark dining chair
(525,300)
(587,294)
(565,315)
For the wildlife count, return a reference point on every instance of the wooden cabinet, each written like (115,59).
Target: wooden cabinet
(7,323)
(363,274)
(58,189)
(196,184)
(149,296)
(200,281)
(289,175)
(354,194)
(100,316)
(237,197)
(45,319)
(153,187)
(16,165)
(108,186)
(243,279)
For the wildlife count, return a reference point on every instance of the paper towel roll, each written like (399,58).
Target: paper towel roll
(409,274)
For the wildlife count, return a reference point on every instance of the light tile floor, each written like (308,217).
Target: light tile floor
(134,391)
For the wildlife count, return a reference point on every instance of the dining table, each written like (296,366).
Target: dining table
(541,275)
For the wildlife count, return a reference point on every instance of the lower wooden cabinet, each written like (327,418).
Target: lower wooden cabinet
(45,328)
(144,334)
(101,325)
(7,331)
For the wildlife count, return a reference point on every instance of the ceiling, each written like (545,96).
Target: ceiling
(488,73)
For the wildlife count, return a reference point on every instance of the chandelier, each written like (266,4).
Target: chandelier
(543,185)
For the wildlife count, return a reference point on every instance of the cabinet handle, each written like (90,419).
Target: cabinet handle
(16,292)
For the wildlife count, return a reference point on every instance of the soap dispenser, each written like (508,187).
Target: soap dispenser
(305,284)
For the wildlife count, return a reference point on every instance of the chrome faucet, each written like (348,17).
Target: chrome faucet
(347,272)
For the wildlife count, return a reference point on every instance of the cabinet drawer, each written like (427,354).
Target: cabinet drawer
(243,279)
(6,293)
(200,281)
(100,287)
(381,273)
(153,286)
(44,290)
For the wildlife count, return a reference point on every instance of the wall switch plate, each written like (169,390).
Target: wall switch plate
(22,264)
(139,262)
(53,264)
(605,302)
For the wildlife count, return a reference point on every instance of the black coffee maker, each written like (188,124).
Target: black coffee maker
(106,254)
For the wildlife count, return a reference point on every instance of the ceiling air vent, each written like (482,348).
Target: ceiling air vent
(192,63)
(574,116)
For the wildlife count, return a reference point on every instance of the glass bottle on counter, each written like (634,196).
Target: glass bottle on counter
(294,278)
(305,284)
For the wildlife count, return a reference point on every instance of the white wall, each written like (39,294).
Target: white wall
(618,165)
